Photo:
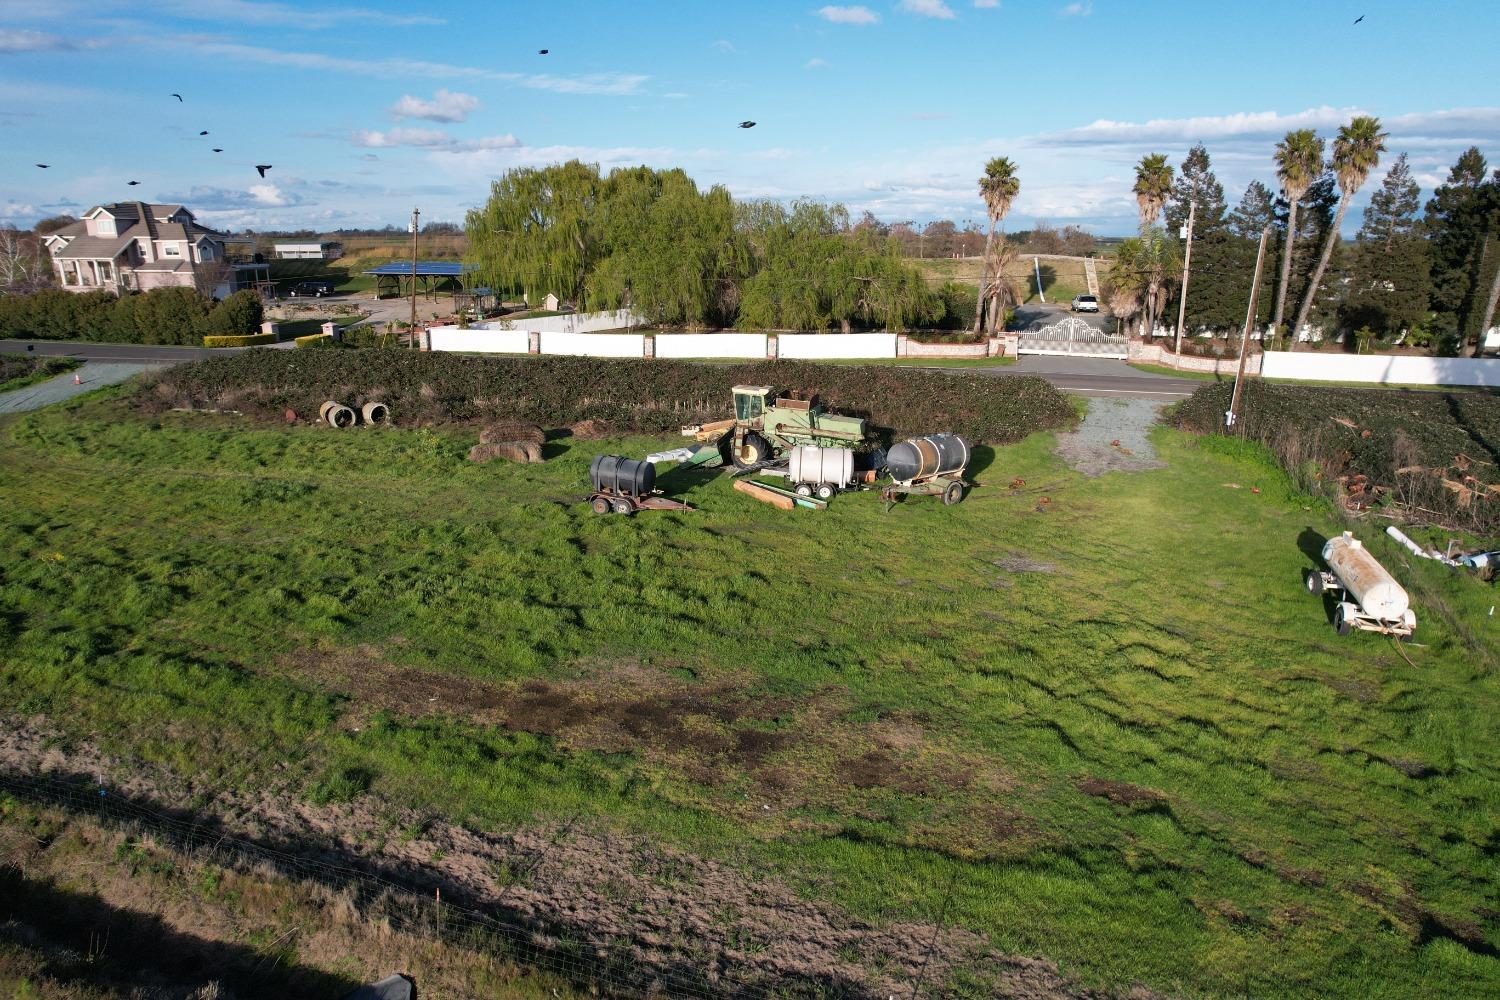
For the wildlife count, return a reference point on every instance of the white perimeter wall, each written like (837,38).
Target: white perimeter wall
(711,345)
(619,319)
(451,338)
(836,345)
(594,345)
(1381,368)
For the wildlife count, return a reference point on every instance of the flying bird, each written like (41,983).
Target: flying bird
(263,167)
(747,124)
(203,133)
(217,150)
(131,183)
(44,166)
(179,98)
(542,52)
(1359,19)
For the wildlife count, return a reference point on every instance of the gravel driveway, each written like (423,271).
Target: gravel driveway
(1114,437)
(94,375)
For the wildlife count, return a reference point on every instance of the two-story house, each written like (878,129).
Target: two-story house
(133,246)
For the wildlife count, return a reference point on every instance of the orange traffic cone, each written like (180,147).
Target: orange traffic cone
(77,379)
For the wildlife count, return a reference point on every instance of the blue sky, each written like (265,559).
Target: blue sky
(366,109)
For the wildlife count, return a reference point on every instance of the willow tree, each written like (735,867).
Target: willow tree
(1356,152)
(1153,185)
(998,187)
(1299,161)
(538,230)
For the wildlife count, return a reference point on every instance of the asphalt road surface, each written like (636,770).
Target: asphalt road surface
(91,376)
(1086,376)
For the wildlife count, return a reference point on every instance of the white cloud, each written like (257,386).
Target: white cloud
(724,45)
(928,8)
(445,106)
(430,138)
(280,14)
(15,211)
(849,15)
(1482,124)
(986,4)
(14,40)
(815,63)
(1082,9)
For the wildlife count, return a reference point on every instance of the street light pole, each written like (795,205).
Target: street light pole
(1187,270)
(412,332)
(1239,376)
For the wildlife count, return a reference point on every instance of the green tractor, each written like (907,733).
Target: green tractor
(765,426)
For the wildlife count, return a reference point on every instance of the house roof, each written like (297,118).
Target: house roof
(95,247)
(67,232)
(174,264)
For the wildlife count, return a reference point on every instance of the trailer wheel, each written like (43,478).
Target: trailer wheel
(804,490)
(599,505)
(1314,581)
(826,492)
(1341,623)
(953,494)
(623,507)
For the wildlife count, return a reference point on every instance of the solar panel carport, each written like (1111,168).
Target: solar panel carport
(431,276)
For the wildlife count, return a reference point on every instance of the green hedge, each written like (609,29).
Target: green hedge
(1408,443)
(241,340)
(647,396)
(314,340)
(160,316)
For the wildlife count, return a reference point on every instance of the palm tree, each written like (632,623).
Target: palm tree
(1123,303)
(1356,152)
(998,187)
(1299,161)
(1153,183)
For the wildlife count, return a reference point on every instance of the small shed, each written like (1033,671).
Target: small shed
(550,303)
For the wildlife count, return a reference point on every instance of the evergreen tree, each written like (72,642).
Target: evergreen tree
(1196,183)
(1389,273)
(1255,212)
(1455,220)
(1215,297)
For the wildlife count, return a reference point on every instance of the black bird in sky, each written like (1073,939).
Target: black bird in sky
(263,167)
(203,133)
(131,183)
(1359,19)
(179,98)
(217,150)
(44,166)
(747,124)
(542,52)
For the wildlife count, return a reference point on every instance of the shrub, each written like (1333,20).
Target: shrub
(160,316)
(1433,450)
(248,340)
(641,396)
(314,340)
(238,315)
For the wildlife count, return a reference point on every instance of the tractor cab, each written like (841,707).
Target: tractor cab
(750,403)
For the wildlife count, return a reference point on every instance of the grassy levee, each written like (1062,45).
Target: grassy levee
(1062,280)
(1111,729)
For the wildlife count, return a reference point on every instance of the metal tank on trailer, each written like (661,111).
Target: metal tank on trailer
(1369,597)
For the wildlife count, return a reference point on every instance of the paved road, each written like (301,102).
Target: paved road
(92,376)
(141,353)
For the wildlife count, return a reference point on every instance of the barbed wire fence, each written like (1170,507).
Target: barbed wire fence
(621,965)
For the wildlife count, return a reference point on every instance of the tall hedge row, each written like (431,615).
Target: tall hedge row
(160,316)
(647,396)
(1433,452)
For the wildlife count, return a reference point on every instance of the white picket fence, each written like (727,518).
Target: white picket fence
(1381,368)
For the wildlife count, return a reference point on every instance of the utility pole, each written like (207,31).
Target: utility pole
(1239,375)
(1187,270)
(412,332)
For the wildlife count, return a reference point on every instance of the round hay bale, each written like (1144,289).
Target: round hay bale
(512,430)
(590,430)
(510,451)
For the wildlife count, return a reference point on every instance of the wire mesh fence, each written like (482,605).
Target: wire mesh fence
(637,962)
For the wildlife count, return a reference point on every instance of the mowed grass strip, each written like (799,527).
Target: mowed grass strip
(1110,728)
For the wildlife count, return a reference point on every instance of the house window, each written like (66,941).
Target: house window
(106,271)
(170,250)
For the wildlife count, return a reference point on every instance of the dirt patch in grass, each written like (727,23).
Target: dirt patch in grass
(1015,562)
(1121,793)
(661,914)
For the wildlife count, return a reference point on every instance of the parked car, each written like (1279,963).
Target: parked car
(311,289)
(1086,304)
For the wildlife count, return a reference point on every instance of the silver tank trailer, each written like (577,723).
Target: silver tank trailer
(1379,603)
(927,457)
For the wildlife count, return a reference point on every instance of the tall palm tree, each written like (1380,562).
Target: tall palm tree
(1299,161)
(998,187)
(1153,184)
(1356,152)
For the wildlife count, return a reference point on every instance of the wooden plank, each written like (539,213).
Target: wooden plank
(759,492)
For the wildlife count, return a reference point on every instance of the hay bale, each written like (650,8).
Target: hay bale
(510,451)
(512,430)
(590,430)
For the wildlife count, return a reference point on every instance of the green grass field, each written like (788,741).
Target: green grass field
(1062,280)
(1110,728)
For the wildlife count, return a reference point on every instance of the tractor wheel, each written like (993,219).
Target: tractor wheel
(600,505)
(623,507)
(953,494)
(1341,623)
(804,490)
(756,449)
(1314,580)
(826,491)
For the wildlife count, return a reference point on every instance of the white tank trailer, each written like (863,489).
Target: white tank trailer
(1369,598)
(814,469)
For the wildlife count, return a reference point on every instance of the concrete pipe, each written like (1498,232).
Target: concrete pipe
(336,415)
(374,414)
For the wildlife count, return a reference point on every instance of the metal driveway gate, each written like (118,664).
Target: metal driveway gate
(1073,336)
